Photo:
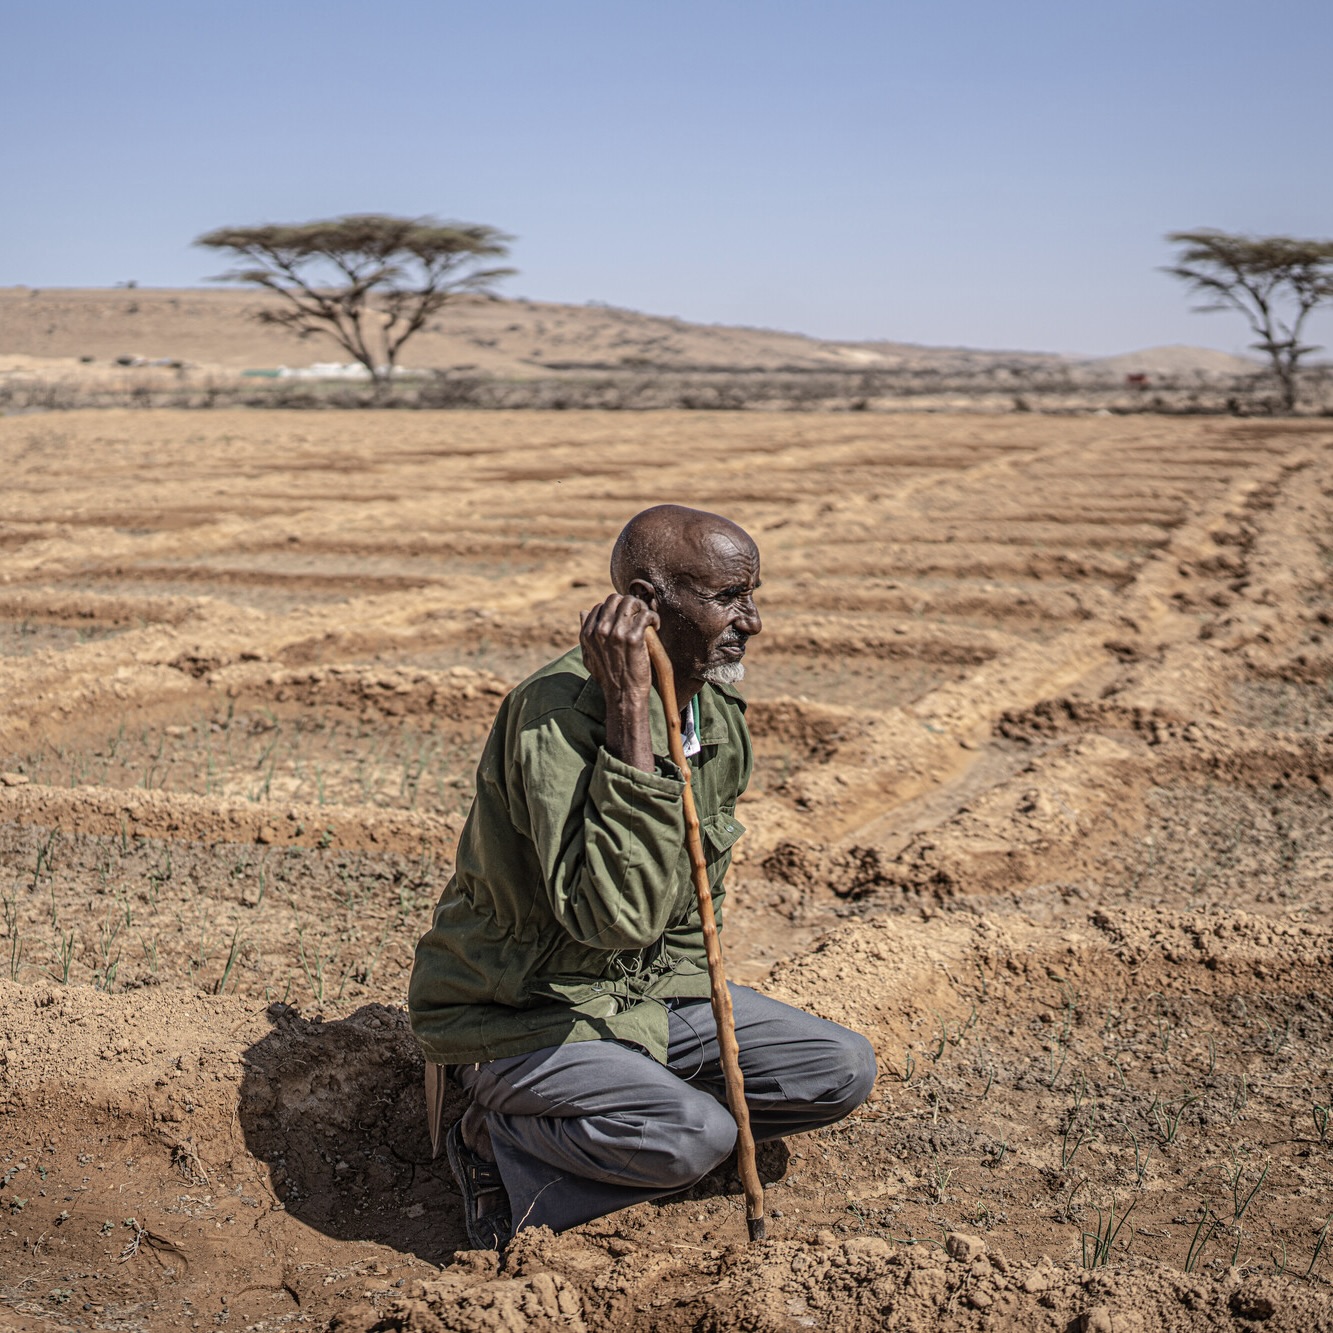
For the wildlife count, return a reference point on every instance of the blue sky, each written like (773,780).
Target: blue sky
(942,171)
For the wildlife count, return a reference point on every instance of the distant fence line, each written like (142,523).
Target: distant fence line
(1011,390)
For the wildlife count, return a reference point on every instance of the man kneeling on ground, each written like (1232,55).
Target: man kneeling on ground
(563,981)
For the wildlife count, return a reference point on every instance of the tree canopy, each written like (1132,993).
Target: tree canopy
(1274,281)
(367,280)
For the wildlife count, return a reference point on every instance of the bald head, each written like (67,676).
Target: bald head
(668,543)
(699,573)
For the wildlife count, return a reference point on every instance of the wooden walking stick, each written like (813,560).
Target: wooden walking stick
(722,1016)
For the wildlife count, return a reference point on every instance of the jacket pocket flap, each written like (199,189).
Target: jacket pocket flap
(569,990)
(721,830)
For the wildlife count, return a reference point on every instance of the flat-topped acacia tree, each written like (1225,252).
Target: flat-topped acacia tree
(369,281)
(1274,281)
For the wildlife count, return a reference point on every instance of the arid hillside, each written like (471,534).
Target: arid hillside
(215,329)
(1044,716)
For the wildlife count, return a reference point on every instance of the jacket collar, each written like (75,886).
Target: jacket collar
(714,700)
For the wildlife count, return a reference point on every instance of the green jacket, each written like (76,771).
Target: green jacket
(571,914)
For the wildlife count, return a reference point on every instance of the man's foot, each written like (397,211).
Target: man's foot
(485,1204)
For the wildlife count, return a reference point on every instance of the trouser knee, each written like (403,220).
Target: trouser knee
(689,1148)
(857,1060)
(865,1071)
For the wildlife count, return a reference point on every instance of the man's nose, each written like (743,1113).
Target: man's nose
(750,621)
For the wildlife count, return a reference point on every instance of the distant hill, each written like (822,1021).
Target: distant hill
(1177,360)
(214,329)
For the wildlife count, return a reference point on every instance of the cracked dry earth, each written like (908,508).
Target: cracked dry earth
(1044,719)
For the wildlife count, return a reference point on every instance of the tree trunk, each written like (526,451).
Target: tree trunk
(381,380)
(1287,376)
(1284,371)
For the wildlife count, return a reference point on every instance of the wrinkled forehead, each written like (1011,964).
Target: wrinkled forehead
(718,556)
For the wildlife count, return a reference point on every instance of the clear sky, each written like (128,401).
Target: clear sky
(943,171)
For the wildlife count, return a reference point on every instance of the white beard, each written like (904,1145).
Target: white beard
(725,673)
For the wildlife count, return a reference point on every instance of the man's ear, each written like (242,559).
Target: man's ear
(645,592)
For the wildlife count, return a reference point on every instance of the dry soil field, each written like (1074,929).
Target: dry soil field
(1044,720)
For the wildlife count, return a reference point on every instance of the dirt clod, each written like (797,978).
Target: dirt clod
(964,1248)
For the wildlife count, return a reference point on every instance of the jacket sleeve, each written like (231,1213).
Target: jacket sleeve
(608,836)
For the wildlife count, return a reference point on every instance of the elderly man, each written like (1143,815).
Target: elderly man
(563,980)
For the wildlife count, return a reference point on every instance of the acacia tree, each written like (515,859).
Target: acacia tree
(368,281)
(1274,281)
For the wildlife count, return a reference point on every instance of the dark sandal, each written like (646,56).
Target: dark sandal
(482,1189)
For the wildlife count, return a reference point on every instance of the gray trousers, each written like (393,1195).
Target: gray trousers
(582,1129)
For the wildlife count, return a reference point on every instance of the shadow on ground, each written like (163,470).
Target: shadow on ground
(337,1112)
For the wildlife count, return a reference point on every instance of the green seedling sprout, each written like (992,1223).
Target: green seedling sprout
(1319,1245)
(1140,1159)
(942,1041)
(990,1079)
(107,935)
(1201,1238)
(1320,1114)
(1235,1178)
(940,1177)
(1235,1249)
(1168,1122)
(1279,1269)
(1060,1042)
(1273,1039)
(11,911)
(1068,1210)
(368,970)
(967,1027)
(1240,1098)
(1070,1142)
(1059,1053)
(232,954)
(315,976)
(66,952)
(1164,1035)
(1108,1228)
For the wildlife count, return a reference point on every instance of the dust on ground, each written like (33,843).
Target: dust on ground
(1044,720)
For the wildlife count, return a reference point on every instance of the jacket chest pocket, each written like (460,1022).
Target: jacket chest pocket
(720,832)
